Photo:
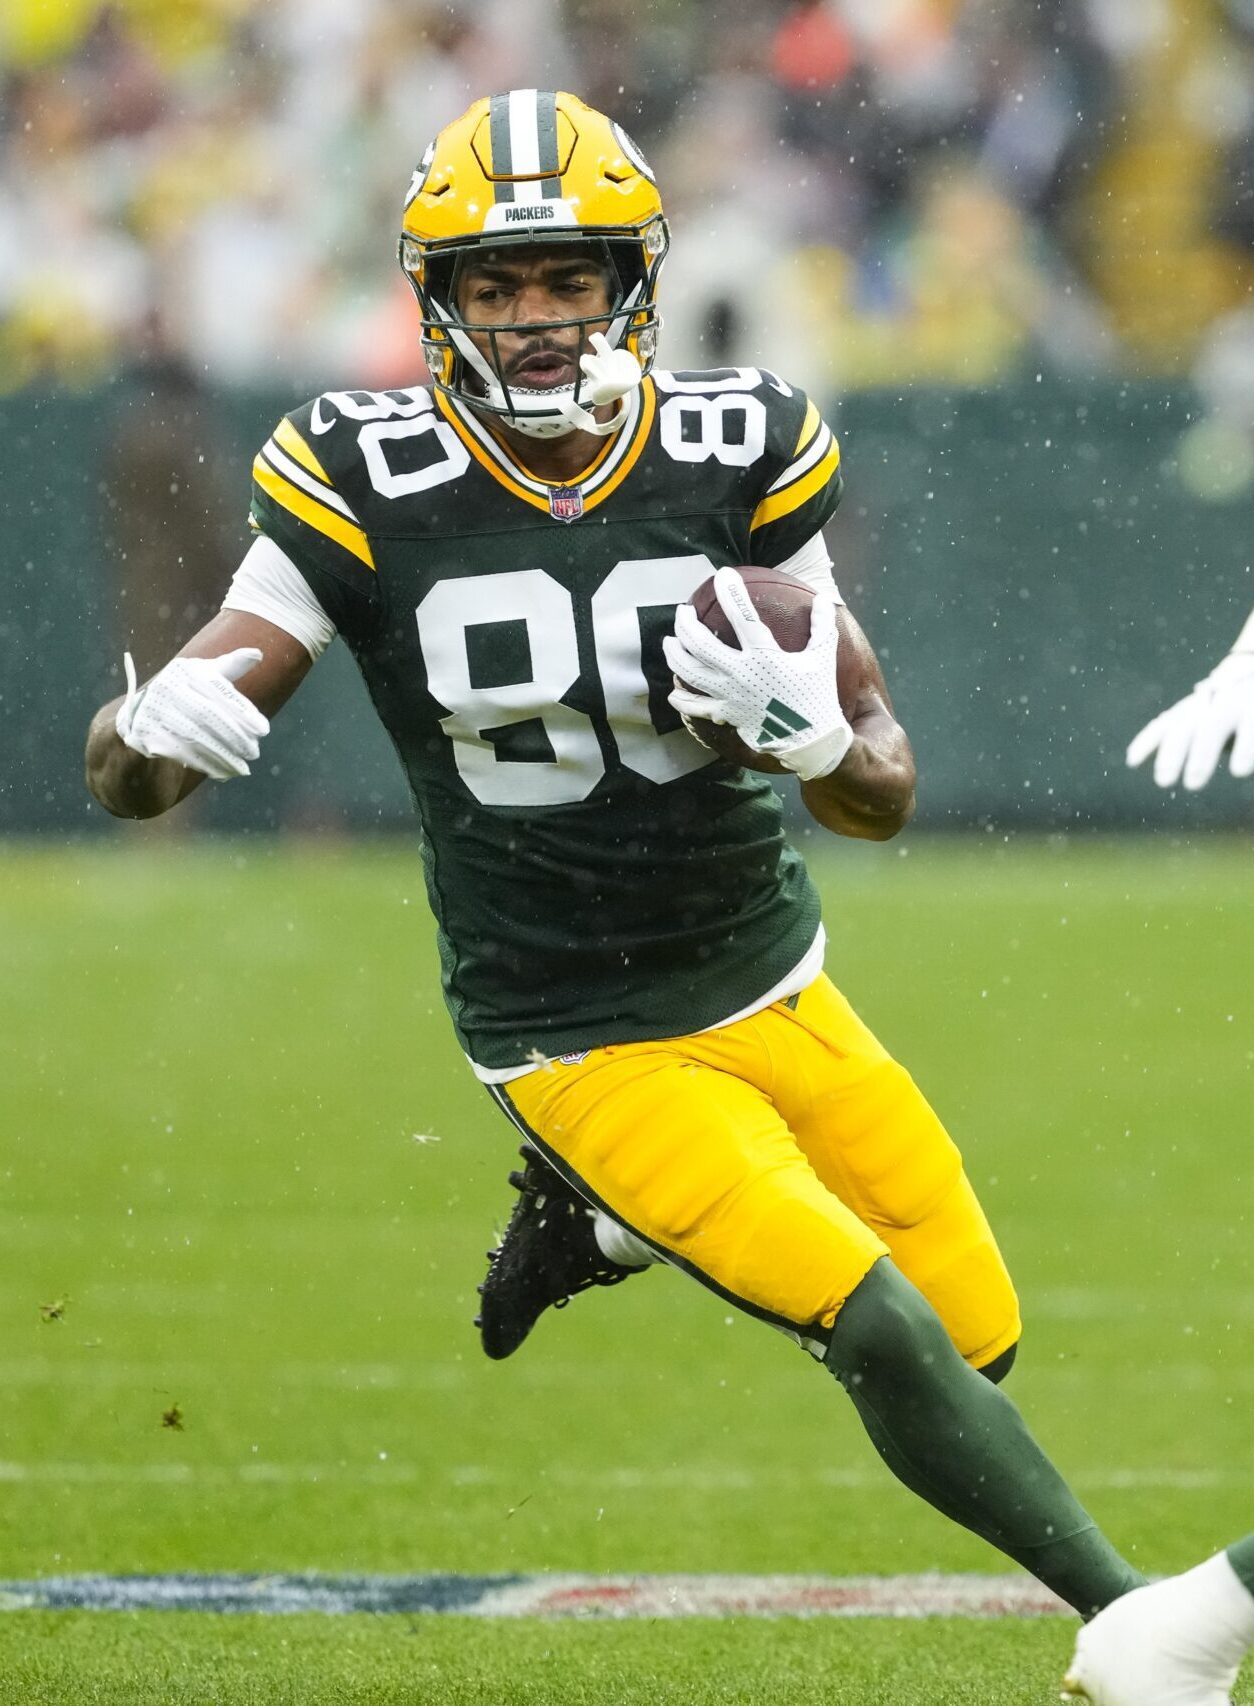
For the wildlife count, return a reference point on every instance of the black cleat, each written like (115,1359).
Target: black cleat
(548,1255)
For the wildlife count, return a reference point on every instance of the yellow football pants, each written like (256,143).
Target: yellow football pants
(776,1160)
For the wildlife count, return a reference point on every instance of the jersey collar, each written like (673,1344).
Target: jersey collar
(610,468)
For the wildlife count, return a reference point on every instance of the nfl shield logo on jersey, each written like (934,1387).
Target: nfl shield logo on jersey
(565,503)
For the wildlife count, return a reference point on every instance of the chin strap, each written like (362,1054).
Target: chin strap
(612,374)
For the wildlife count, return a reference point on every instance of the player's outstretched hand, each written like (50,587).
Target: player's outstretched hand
(784,703)
(1188,740)
(190,711)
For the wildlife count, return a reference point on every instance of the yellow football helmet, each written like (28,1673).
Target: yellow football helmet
(525,167)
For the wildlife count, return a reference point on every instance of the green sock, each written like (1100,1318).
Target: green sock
(959,1442)
(1241,1557)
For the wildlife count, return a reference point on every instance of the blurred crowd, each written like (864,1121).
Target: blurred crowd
(866,192)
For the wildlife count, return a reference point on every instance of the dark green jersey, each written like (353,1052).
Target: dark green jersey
(596,874)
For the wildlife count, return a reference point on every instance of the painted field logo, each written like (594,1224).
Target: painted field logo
(565,503)
(547,1596)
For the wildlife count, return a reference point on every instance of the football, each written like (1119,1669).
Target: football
(784,604)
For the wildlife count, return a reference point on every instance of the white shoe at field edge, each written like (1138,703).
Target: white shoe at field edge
(1145,1650)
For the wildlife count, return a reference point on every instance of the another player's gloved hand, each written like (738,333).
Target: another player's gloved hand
(189,711)
(784,703)
(1188,740)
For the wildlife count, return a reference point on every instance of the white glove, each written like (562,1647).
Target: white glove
(784,703)
(190,711)
(1189,738)
(611,374)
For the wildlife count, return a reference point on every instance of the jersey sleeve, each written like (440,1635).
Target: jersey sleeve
(296,503)
(804,478)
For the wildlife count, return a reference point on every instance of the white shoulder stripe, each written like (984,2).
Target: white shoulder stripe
(283,464)
(818,448)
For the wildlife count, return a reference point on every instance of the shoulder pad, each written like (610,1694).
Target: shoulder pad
(709,380)
(345,428)
(297,496)
(785,413)
(802,477)
(336,408)
(324,470)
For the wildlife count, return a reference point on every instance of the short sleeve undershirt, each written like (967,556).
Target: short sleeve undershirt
(268,584)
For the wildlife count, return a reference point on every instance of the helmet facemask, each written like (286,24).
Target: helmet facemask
(630,262)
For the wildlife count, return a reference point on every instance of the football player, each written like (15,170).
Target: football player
(1178,1642)
(632,954)
(1189,739)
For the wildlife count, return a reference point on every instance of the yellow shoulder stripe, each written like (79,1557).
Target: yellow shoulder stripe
(801,491)
(287,437)
(310,511)
(809,426)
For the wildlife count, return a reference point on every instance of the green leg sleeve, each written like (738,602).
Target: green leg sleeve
(1241,1557)
(960,1443)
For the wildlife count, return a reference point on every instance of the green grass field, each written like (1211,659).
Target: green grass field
(217,1062)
